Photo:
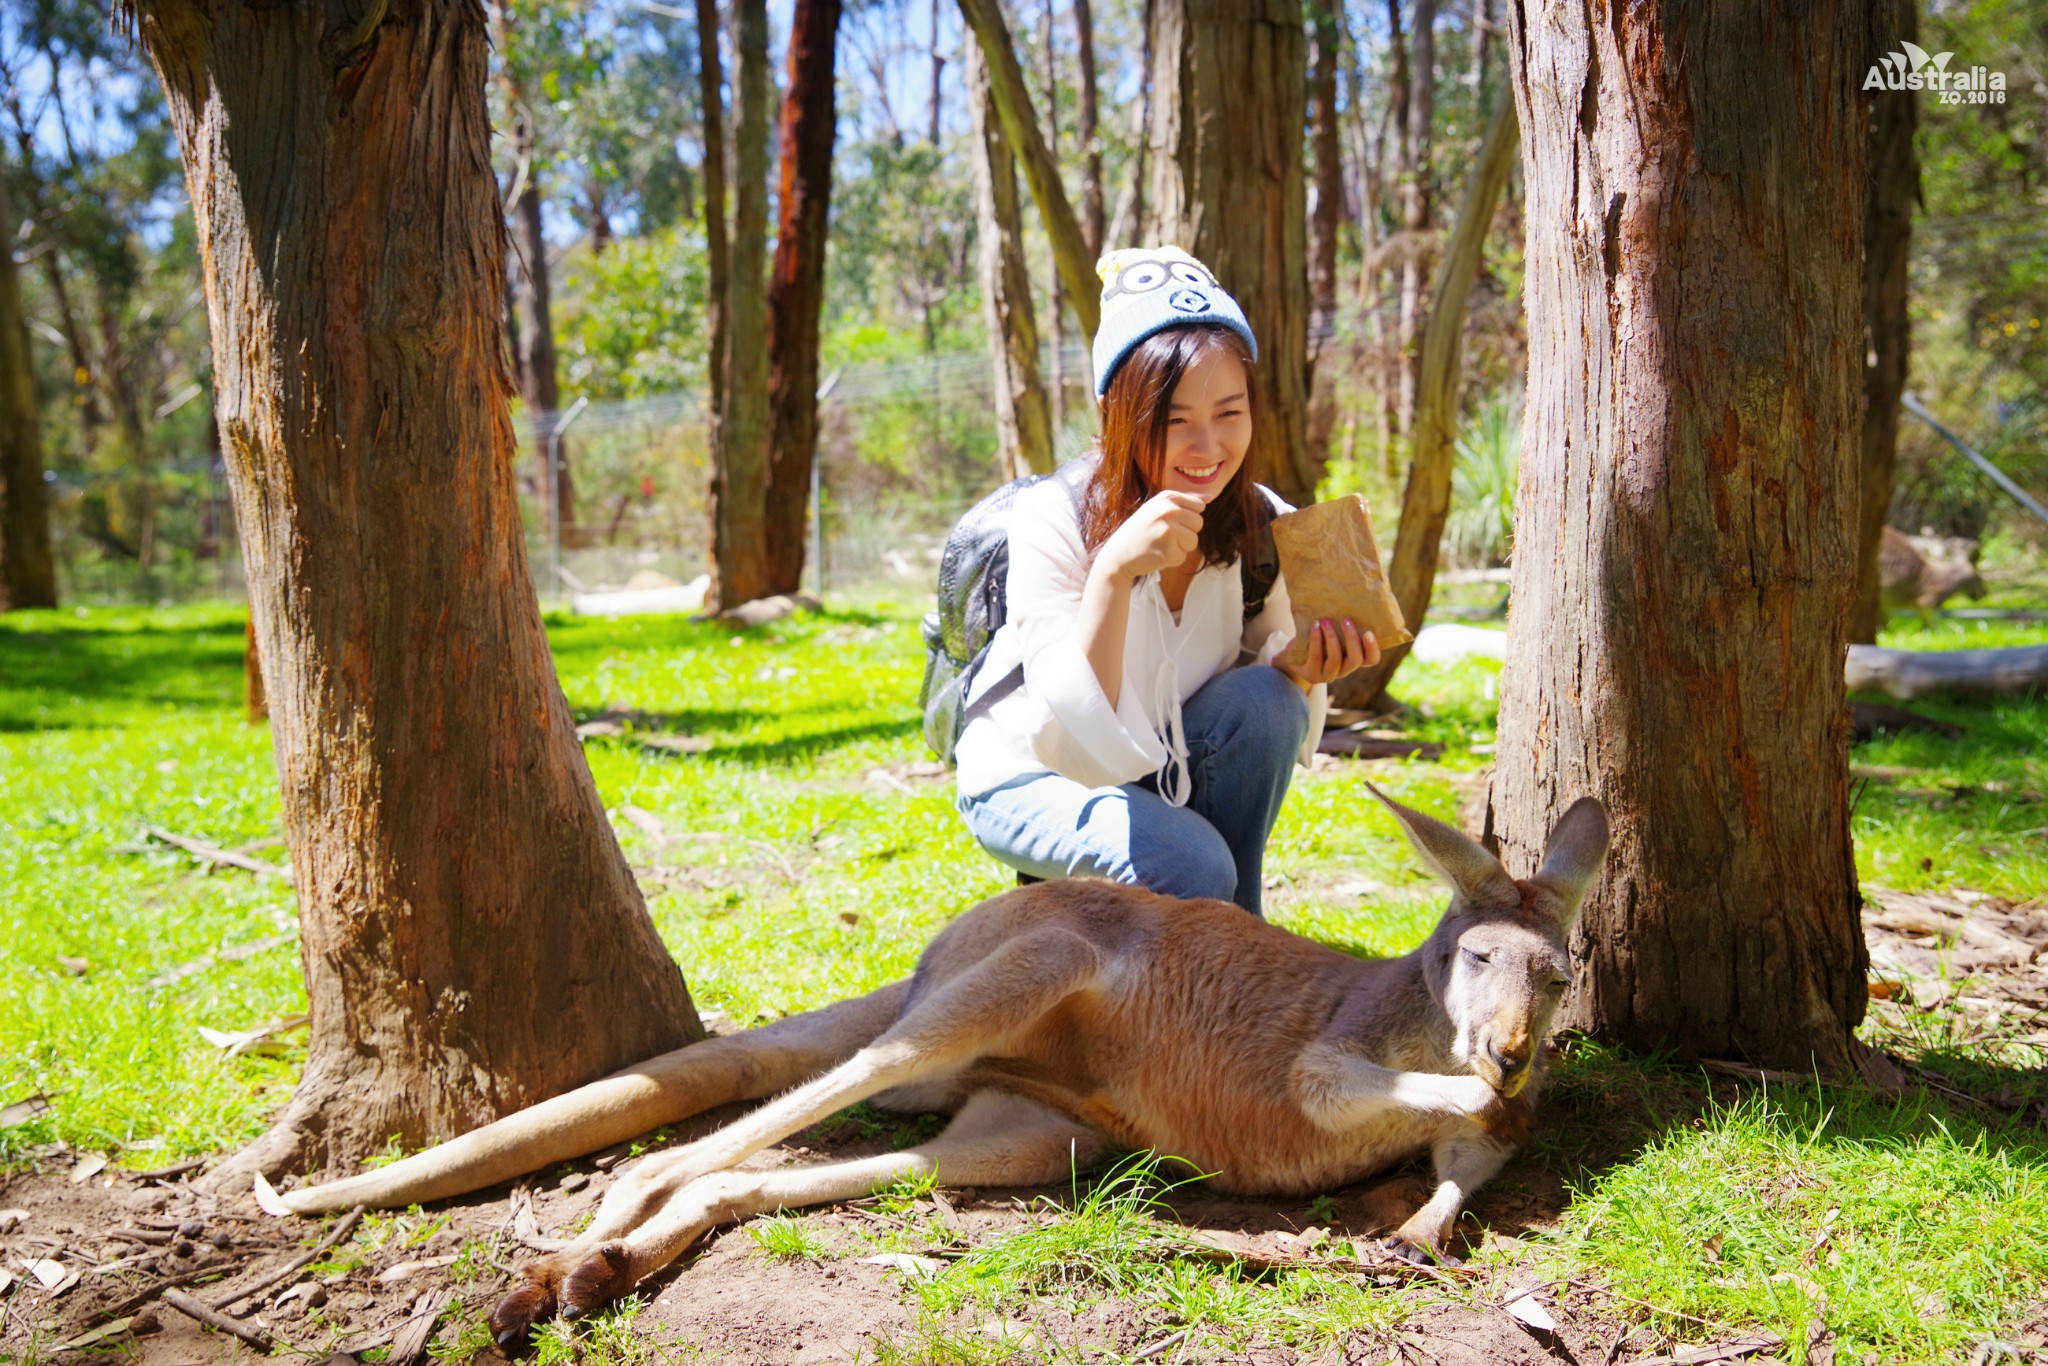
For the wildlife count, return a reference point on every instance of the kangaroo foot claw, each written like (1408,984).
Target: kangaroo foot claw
(513,1317)
(597,1280)
(1417,1254)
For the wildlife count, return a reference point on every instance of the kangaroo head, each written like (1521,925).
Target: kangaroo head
(1497,960)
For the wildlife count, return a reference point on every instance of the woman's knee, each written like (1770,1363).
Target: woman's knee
(1259,708)
(1192,868)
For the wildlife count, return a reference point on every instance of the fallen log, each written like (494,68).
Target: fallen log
(1907,674)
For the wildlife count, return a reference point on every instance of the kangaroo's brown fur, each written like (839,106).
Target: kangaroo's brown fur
(1067,1018)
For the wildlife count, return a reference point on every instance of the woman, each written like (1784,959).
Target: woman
(1154,733)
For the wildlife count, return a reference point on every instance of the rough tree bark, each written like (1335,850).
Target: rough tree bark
(1023,415)
(1686,523)
(1432,440)
(739,481)
(1232,191)
(1887,232)
(796,292)
(533,339)
(1324,221)
(1020,129)
(28,572)
(717,253)
(471,937)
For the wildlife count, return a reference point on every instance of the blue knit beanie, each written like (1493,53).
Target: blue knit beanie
(1148,289)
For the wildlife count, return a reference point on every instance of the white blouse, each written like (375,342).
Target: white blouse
(1060,720)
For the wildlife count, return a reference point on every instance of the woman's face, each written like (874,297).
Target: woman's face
(1208,425)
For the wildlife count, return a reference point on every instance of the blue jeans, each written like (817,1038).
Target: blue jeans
(1244,728)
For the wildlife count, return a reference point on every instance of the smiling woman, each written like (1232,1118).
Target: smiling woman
(1131,721)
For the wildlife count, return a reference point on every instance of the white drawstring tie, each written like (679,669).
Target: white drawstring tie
(1176,784)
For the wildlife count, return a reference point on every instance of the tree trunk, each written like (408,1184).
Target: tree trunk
(28,572)
(938,75)
(1020,129)
(1418,207)
(1057,359)
(1887,232)
(1232,191)
(471,936)
(796,294)
(739,482)
(1432,441)
(1091,151)
(1023,417)
(1686,525)
(1324,221)
(717,254)
(53,278)
(534,339)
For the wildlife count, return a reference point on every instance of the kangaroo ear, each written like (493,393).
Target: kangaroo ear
(1453,856)
(1572,857)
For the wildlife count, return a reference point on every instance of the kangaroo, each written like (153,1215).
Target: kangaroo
(1922,572)
(1061,1022)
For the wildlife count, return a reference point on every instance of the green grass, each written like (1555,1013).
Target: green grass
(786,876)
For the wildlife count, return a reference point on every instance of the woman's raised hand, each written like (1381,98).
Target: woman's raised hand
(1163,532)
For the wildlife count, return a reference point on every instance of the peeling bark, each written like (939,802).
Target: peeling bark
(471,936)
(796,290)
(1686,524)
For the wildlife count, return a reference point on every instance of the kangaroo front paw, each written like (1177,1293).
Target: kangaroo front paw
(597,1280)
(530,1302)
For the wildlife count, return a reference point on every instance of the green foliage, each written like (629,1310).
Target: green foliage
(632,322)
(1481,527)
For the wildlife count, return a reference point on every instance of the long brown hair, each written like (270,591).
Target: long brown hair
(1130,454)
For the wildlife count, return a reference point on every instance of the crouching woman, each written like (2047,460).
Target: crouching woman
(1132,720)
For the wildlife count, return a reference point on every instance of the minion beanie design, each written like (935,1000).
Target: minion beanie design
(1145,289)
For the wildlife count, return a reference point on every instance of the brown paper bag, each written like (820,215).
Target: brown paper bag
(1332,568)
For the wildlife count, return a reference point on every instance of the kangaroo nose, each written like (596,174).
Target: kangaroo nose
(1508,1060)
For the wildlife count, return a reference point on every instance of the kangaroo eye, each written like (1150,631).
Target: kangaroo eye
(1476,956)
(1557,985)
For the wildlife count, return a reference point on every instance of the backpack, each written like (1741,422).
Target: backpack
(974,573)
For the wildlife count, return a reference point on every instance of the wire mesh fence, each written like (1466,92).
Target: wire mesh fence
(904,447)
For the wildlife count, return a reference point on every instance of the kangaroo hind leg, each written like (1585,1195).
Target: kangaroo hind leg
(973,1013)
(632,1101)
(997,1139)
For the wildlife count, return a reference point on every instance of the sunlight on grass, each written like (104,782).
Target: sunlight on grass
(1911,1230)
(793,853)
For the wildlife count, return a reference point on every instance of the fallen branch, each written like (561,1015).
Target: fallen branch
(142,1297)
(1907,674)
(335,1235)
(175,1169)
(193,1309)
(214,854)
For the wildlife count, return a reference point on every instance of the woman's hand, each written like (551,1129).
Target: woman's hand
(1332,654)
(1164,531)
